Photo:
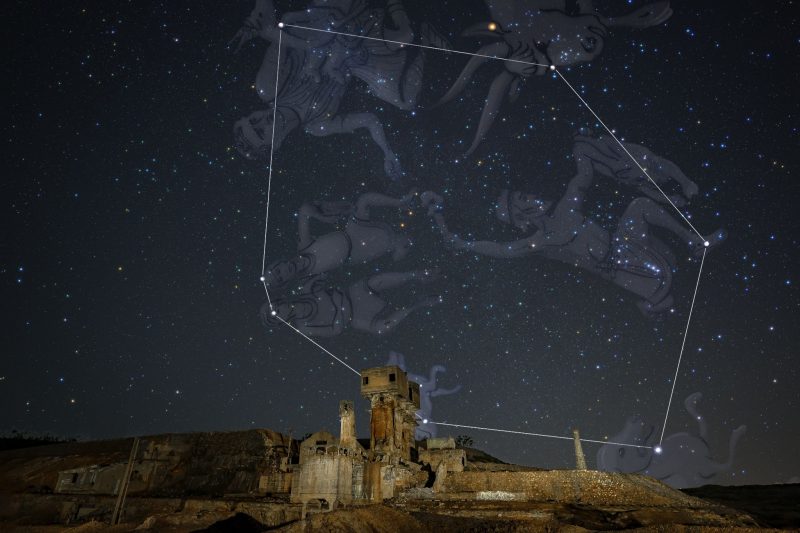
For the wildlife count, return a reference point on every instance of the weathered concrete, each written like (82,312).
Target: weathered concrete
(580,458)
(331,469)
(40,509)
(454,460)
(393,401)
(574,486)
(441,443)
(220,474)
(203,464)
(326,478)
(94,479)
(347,432)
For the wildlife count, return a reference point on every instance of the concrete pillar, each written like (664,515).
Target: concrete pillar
(382,425)
(347,432)
(409,430)
(580,459)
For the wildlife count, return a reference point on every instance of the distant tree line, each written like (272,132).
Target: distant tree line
(464,441)
(16,439)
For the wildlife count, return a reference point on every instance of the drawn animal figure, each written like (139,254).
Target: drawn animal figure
(323,311)
(630,256)
(543,32)
(607,158)
(685,459)
(362,239)
(428,390)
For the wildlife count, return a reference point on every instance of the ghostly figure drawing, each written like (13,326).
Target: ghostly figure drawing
(631,257)
(428,389)
(603,155)
(361,240)
(323,311)
(685,460)
(543,32)
(316,68)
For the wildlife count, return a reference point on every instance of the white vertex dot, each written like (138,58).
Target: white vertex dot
(280,24)
(424,420)
(706,244)
(273,312)
(658,450)
(553,67)
(262,278)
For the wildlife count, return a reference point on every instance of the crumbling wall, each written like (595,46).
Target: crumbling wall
(454,460)
(320,442)
(585,487)
(277,482)
(382,426)
(358,481)
(95,479)
(42,509)
(216,464)
(441,443)
(373,481)
(325,477)
(202,464)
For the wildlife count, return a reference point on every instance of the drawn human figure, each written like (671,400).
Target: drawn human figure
(685,460)
(631,257)
(361,240)
(534,35)
(603,155)
(316,68)
(428,390)
(323,311)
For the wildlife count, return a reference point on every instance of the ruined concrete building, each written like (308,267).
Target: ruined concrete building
(237,463)
(393,401)
(278,480)
(331,469)
(323,469)
(341,470)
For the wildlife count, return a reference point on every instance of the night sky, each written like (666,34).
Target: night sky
(133,232)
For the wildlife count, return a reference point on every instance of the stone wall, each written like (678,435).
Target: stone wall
(38,509)
(582,487)
(454,460)
(275,483)
(95,479)
(193,464)
(326,477)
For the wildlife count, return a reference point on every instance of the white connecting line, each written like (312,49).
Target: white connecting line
(552,68)
(627,152)
(315,343)
(269,179)
(402,44)
(528,433)
(683,345)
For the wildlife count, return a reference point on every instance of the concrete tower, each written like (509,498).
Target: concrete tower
(393,400)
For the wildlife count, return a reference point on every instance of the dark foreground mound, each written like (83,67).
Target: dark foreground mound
(451,518)
(771,505)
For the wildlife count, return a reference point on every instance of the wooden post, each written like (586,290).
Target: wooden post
(124,482)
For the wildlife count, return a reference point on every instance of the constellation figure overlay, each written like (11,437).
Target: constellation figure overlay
(557,75)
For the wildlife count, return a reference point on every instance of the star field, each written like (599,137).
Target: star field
(133,233)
